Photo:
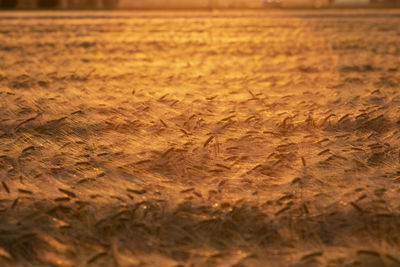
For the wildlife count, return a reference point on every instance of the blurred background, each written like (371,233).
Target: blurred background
(151,4)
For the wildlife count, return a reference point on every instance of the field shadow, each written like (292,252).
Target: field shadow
(73,230)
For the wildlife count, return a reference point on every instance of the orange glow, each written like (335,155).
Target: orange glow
(160,138)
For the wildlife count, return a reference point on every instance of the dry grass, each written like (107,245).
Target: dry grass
(190,139)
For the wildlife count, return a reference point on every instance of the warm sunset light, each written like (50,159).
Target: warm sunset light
(199,133)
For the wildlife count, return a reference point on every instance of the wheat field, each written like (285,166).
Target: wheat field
(245,138)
